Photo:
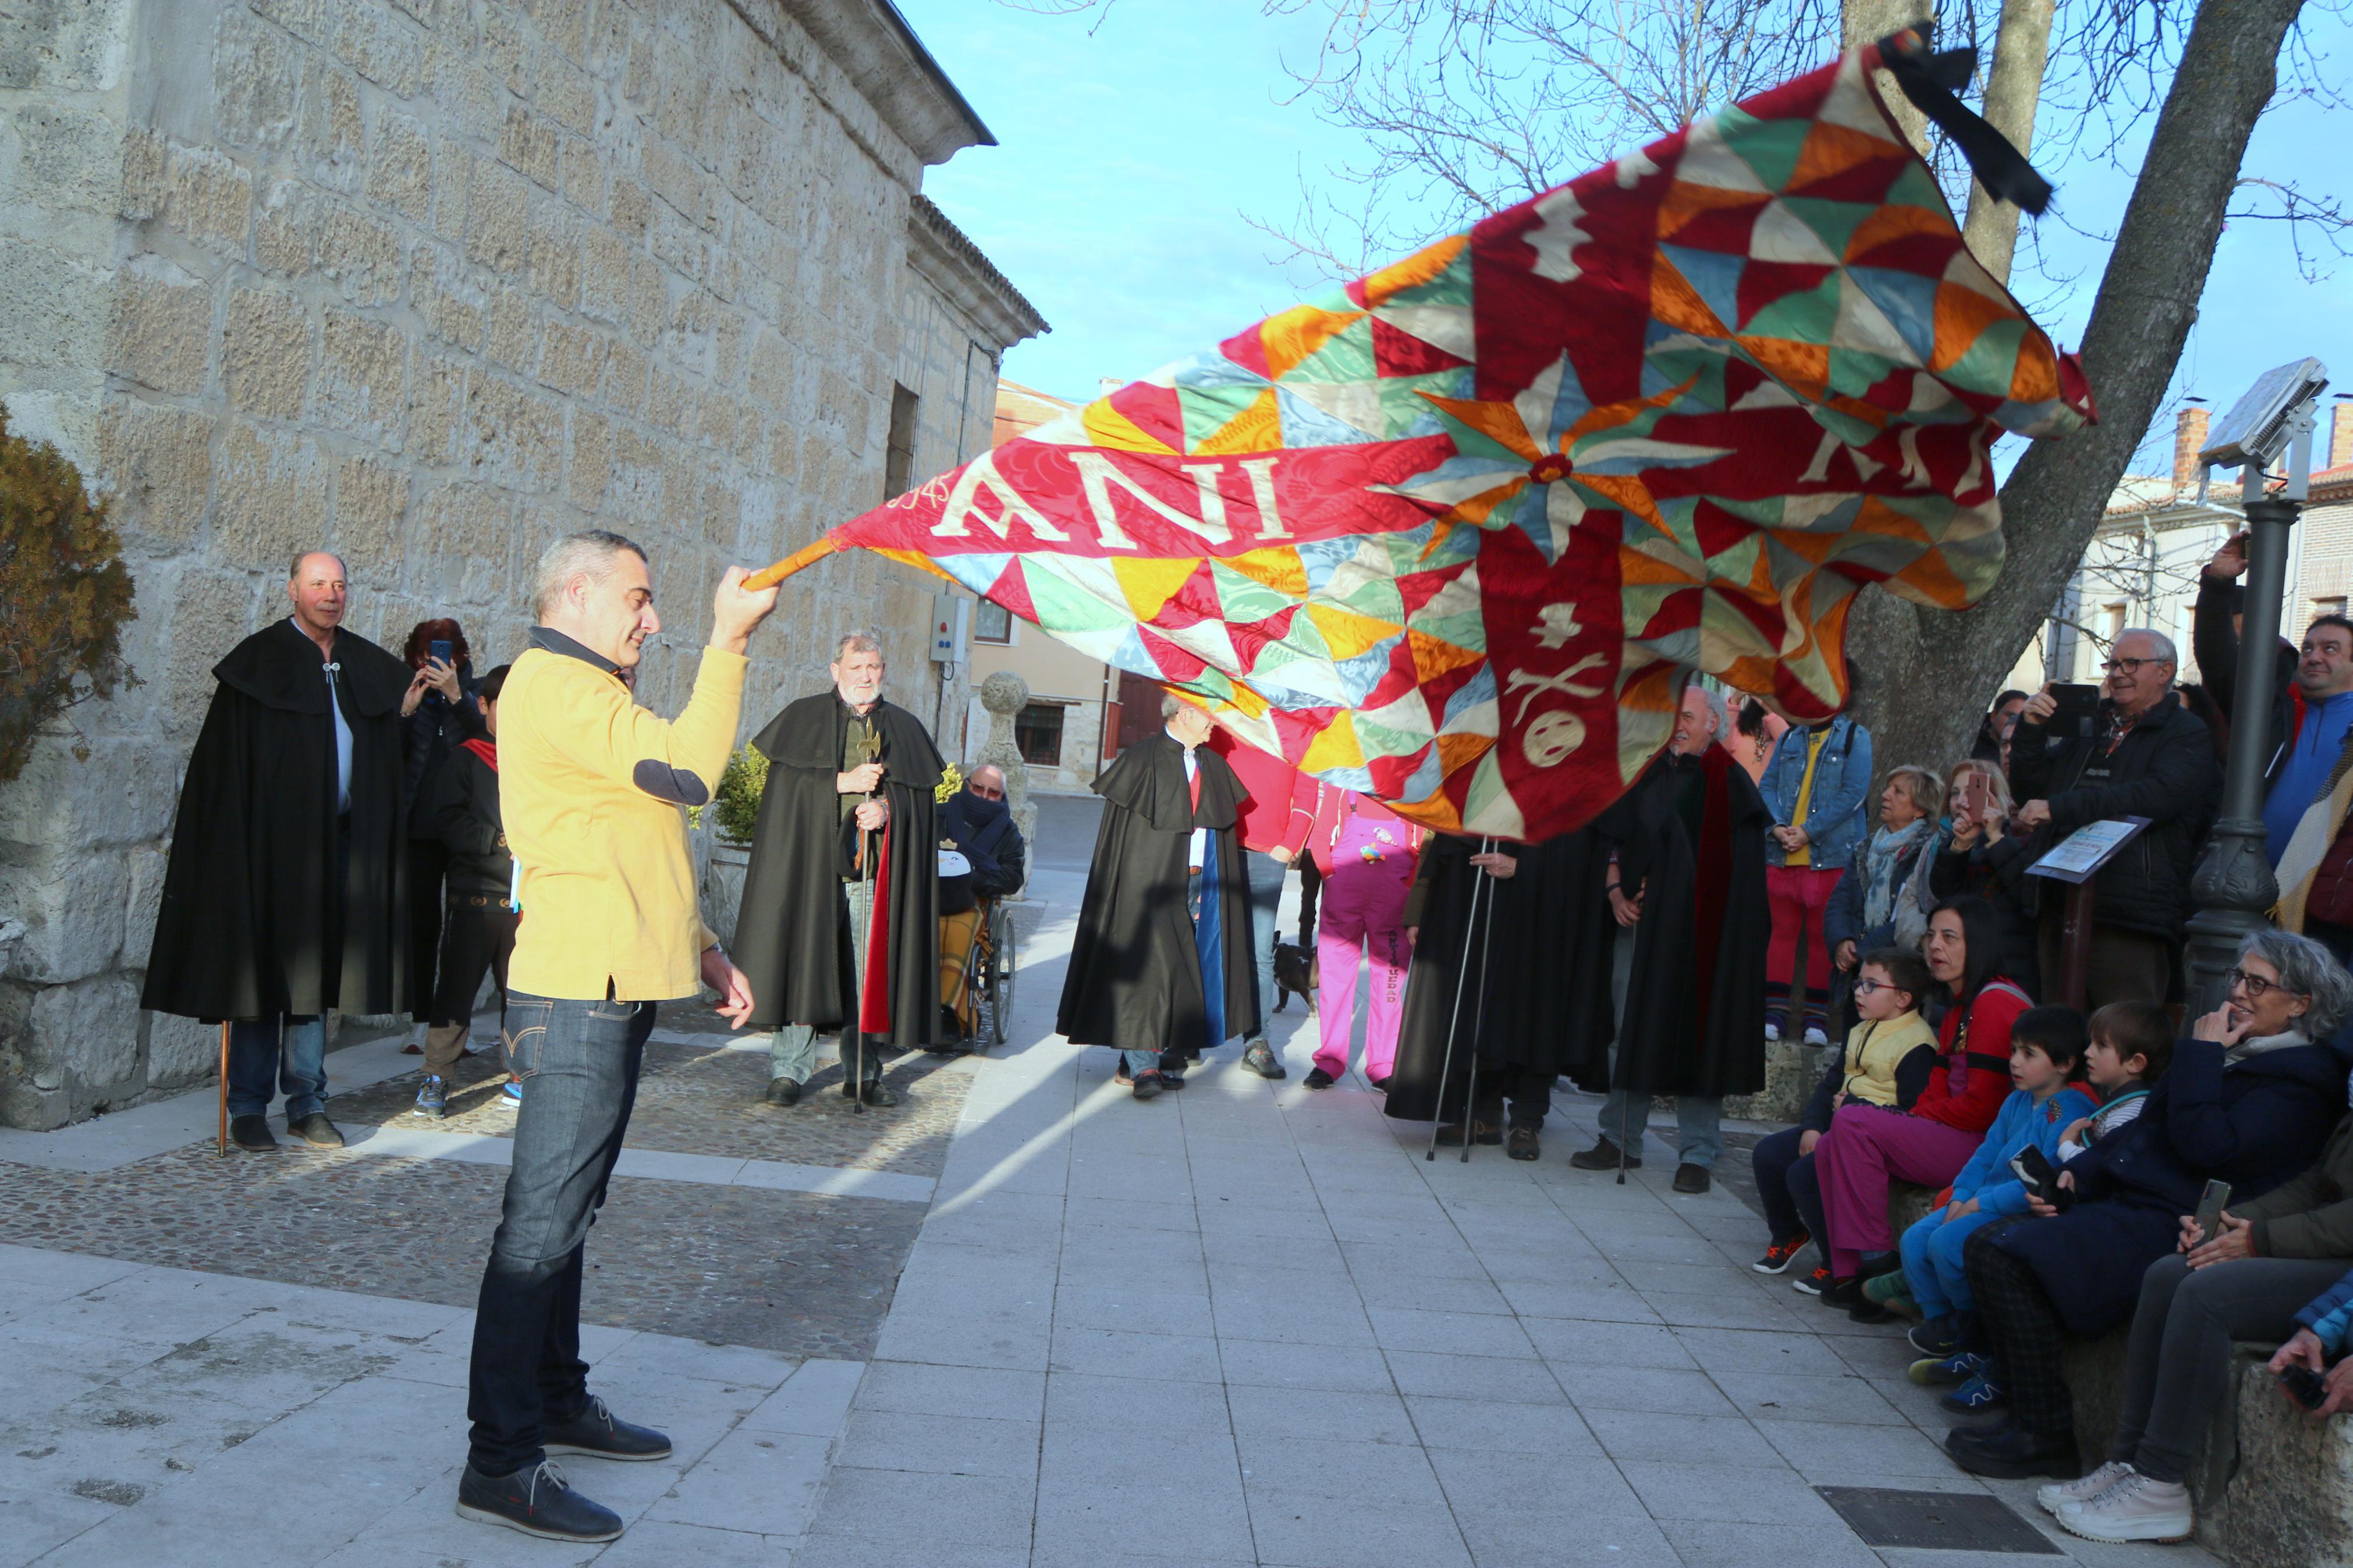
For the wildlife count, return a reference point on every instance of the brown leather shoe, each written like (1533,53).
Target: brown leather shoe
(1520,1143)
(1691,1178)
(1450,1135)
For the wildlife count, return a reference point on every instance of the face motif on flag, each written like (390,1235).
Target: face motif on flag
(1453,535)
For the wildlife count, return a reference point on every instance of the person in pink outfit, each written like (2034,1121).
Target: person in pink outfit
(1367,854)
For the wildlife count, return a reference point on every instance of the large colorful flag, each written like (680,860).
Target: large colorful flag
(1454,534)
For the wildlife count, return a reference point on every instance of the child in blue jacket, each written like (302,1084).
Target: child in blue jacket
(2046,1056)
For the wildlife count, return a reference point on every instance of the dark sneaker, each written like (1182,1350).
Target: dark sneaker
(2007,1451)
(1943,1372)
(1937,1338)
(1885,1263)
(1781,1254)
(1844,1294)
(1520,1143)
(602,1435)
(1811,1283)
(1379,1085)
(1259,1058)
(1147,1084)
(433,1097)
(784,1091)
(1171,1081)
(317,1132)
(1603,1156)
(538,1501)
(1318,1078)
(1691,1178)
(875,1095)
(252,1132)
(1981,1392)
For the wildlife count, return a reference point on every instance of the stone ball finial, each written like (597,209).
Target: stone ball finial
(1004,693)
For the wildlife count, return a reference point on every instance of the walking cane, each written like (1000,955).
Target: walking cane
(1454,1020)
(1478,1018)
(224,1087)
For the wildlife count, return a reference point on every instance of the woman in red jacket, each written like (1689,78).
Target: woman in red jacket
(1868,1144)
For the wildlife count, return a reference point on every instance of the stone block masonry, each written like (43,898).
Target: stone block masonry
(430,282)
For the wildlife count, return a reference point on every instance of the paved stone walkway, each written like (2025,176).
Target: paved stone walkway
(1243,1324)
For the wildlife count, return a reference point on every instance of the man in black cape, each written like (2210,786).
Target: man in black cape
(287,891)
(1686,889)
(1161,966)
(847,843)
(1533,964)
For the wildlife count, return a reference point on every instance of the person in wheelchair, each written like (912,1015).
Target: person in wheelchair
(977,824)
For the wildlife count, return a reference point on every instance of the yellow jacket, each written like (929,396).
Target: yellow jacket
(1873,1050)
(592,788)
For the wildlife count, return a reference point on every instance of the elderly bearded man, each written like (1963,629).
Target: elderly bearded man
(1160,966)
(847,844)
(591,789)
(1686,893)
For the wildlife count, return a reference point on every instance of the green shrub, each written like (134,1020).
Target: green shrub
(735,809)
(67,595)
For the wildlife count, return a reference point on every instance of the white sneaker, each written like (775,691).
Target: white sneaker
(1772,1030)
(1814,1036)
(2059,1494)
(2134,1508)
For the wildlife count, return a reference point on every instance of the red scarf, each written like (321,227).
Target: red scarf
(486,749)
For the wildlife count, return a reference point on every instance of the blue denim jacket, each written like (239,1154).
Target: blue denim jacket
(1835,811)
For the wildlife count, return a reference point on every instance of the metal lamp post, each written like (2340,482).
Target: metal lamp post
(2234,885)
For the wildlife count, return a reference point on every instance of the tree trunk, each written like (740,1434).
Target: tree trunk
(1864,22)
(2013,91)
(1928,674)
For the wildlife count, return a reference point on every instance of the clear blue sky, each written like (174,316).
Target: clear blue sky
(1135,143)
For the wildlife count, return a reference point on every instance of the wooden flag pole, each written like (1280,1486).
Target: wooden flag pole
(806,555)
(224,1087)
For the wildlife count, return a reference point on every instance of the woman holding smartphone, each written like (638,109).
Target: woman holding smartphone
(1977,854)
(438,714)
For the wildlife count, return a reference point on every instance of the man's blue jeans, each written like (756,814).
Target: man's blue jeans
(1266,874)
(792,1049)
(263,1053)
(578,1062)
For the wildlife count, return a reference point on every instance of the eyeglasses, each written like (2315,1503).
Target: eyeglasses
(2256,986)
(985,793)
(2127,665)
(1865,987)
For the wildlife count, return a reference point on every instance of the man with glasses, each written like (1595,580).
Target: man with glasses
(977,823)
(2147,756)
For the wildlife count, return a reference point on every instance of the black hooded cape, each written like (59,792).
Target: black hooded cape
(1695,1019)
(792,934)
(1134,977)
(249,926)
(1546,989)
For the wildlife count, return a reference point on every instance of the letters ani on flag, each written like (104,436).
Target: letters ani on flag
(1450,534)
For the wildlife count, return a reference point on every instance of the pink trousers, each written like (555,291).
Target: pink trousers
(1362,920)
(1866,1147)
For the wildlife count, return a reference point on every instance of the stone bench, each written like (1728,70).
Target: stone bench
(2273,1488)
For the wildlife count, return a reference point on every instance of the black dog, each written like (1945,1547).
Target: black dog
(1294,973)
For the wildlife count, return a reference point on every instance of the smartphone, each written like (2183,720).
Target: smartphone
(440,648)
(2037,1176)
(2306,1386)
(2210,1204)
(2078,710)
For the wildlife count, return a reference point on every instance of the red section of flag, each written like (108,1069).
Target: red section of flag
(874,986)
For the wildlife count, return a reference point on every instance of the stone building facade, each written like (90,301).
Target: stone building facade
(430,282)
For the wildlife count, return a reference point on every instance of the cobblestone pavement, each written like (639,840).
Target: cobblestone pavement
(707,1099)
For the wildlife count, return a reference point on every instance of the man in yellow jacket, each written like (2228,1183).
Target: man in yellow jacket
(594,791)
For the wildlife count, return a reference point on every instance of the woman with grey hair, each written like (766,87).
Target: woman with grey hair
(2249,1100)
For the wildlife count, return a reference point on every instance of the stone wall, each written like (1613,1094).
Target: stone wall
(432,282)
